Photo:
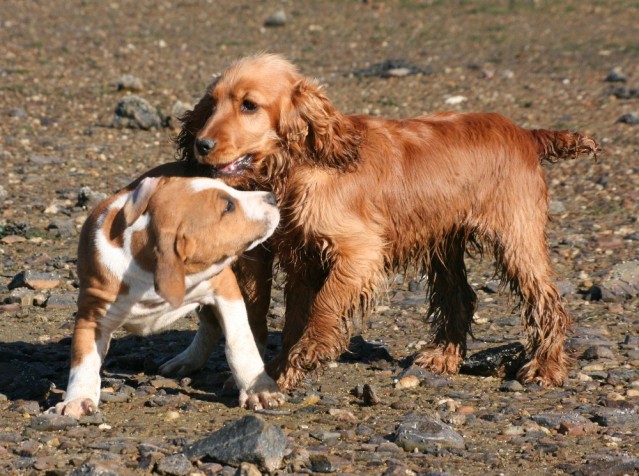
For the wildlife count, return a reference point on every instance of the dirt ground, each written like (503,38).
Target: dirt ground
(543,63)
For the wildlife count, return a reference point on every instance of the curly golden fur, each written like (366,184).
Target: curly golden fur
(361,195)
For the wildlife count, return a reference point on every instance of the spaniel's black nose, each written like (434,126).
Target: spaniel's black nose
(205,146)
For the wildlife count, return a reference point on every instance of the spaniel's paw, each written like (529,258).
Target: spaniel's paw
(263,394)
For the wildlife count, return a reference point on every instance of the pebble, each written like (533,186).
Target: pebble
(390,68)
(629,118)
(511,386)
(418,431)
(249,439)
(553,420)
(623,92)
(342,415)
(615,76)
(178,109)
(52,422)
(174,465)
(276,19)
(128,82)
(596,352)
(369,395)
(248,469)
(135,112)
(410,381)
(88,199)
(61,301)
(325,463)
(17,112)
(46,160)
(35,280)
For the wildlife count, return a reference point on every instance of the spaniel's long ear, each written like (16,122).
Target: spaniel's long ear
(192,121)
(138,200)
(171,250)
(314,127)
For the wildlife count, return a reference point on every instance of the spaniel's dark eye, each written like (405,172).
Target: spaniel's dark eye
(229,207)
(248,106)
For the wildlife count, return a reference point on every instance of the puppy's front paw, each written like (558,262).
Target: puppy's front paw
(75,408)
(264,393)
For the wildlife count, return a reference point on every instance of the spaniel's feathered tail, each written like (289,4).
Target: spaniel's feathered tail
(555,145)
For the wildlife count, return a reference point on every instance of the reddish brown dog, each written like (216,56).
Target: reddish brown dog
(151,254)
(361,195)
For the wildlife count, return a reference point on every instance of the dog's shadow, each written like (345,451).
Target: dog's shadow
(31,371)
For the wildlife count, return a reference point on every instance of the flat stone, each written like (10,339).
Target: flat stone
(612,417)
(34,280)
(61,301)
(597,352)
(249,439)
(52,422)
(421,432)
(553,420)
(390,68)
(174,465)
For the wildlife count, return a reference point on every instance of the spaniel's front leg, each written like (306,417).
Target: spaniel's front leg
(353,279)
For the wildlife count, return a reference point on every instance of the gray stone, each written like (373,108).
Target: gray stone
(276,19)
(597,352)
(511,386)
(612,417)
(135,112)
(62,228)
(17,112)
(553,420)
(174,465)
(46,160)
(623,92)
(249,439)
(629,118)
(324,463)
(369,395)
(3,194)
(61,301)
(128,82)
(93,469)
(390,68)
(555,207)
(615,76)
(34,280)
(52,422)
(622,282)
(88,199)
(177,111)
(421,432)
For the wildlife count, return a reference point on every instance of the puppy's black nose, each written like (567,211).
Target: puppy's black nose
(204,146)
(270,199)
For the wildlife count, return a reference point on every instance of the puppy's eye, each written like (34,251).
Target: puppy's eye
(229,206)
(248,106)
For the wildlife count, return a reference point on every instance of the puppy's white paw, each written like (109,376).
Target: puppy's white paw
(181,365)
(75,408)
(264,393)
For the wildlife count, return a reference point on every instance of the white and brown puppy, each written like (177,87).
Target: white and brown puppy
(150,255)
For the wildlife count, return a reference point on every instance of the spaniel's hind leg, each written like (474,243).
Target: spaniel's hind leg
(525,263)
(452,306)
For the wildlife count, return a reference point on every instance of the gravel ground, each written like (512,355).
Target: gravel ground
(64,66)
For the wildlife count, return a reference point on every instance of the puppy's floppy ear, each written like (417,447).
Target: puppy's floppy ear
(171,251)
(138,200)
(193,121)
(314,127)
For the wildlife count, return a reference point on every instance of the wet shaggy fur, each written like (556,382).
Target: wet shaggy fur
(361,195)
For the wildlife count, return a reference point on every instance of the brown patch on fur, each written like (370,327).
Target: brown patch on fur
(362,195)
